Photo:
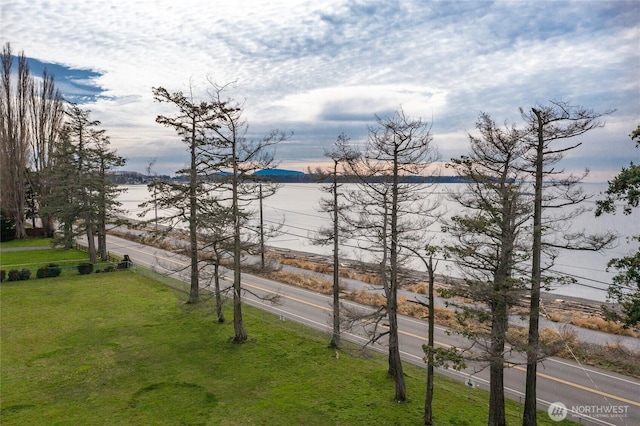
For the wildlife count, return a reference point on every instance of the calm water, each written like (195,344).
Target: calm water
(296,205)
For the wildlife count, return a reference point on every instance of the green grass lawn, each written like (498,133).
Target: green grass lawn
(33,259)
(120,349)
(26,242)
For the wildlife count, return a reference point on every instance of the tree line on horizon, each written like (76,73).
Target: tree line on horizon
(514,203)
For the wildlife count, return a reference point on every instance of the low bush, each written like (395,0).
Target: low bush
(42,272)
(108,268)
(52,270)
(14,275)
(25,274)
(19,275)
(85,268)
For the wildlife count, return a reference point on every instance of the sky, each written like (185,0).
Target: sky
(317,69)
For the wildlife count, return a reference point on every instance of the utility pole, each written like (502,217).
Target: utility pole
(261,228)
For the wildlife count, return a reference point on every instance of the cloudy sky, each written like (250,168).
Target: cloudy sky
(320,68)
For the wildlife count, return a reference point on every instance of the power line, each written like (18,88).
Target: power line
(450,261)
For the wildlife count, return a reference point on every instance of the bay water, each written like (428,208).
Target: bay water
(296,207)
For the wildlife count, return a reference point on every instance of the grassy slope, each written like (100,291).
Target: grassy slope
(39,254)
(119,349)
(27,242)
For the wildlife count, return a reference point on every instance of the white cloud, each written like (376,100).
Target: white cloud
(321,68)
(353,103)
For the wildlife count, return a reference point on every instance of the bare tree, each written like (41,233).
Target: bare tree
(391,213)
(490,245)
(241,157)
(14,137)
(435,357)
(47,115)
(341,152)
(548,126)
(217,244)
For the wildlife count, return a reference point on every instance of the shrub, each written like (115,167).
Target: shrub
(85,268)
(42,272)
(52,270)
(17,275)
(7,227)
(25,274)
(3,275)
(14,275)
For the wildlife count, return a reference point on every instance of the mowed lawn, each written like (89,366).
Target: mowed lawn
(37,252)
(33,259)
(121,349)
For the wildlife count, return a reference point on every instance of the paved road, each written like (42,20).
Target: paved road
(592,396)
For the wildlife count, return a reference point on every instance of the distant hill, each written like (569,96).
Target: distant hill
(278,172)
(282,175)
(277,175)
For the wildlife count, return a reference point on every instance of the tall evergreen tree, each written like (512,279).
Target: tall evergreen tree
(81,166)
(391,214)
(62,202)
(193,122)
(106,191)
(548,127)
(490,245)
(625,288)
(241,158)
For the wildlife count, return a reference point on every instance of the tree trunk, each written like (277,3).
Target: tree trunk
(529,417)
(262,263)
(428,401)
(91,242)
(394,343)
(499,325)
(102,245)
(48,226)
(395,363)
(238,323)
(335,338)
(194,295)
(216,278)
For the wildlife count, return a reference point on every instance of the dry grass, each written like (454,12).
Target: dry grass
(590,322)
(613,357)
(552,342)
(319,285)
(564,343)
(442,316)
(365,298)
(361,276)
(418,288)
(322,268)
(302,264)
